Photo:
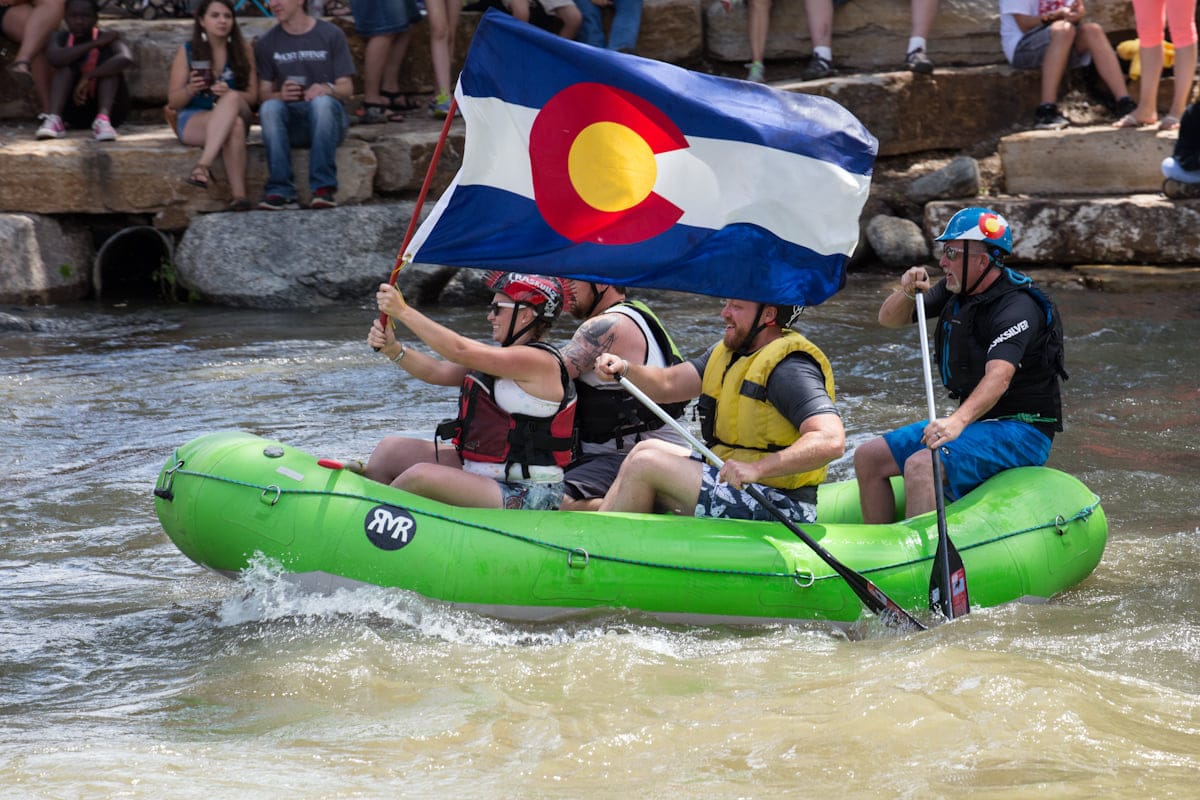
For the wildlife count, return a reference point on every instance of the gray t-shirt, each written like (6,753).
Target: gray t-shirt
(321,55)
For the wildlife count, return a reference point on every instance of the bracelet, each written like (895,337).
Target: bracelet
(396,359)
(910,295)
(625,369)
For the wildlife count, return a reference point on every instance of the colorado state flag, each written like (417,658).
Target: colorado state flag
(588,164)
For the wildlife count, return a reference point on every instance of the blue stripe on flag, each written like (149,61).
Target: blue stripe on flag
(735,261)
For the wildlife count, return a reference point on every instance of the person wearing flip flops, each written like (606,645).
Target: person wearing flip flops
(213,88)
(305,74)
(30,23)
(88,87)
(386,25)
(1051,35)
(1150,16)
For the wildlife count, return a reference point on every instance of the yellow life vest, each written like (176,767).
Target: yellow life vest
(746,426)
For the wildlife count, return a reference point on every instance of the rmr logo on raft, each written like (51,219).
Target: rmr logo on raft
(389,528)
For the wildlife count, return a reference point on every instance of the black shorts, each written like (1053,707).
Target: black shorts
(591,474)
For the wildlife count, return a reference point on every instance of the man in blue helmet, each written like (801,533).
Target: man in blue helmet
(999,346)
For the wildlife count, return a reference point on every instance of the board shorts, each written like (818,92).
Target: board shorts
(982,450)
(530,495)
(1031,51)
(721,500)
(592,474)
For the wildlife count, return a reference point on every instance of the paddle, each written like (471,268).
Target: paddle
(871,595)
(948,581)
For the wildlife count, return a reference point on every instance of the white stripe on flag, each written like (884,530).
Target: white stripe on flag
(716,182)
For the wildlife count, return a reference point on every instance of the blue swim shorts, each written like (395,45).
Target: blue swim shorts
(981,450)
(722,500)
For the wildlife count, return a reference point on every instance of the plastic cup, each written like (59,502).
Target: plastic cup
(204,70)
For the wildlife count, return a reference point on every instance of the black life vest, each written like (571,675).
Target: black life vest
(1033,395)
(485,432)
(613,413)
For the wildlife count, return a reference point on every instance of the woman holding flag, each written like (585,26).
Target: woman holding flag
(515,426)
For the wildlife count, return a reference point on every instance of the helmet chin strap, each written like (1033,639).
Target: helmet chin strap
(596,297)
(969,290)
(512,334)
(756,327)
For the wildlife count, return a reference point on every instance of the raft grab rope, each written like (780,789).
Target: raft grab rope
(579,558)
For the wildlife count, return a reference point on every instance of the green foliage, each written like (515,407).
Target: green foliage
(66,270)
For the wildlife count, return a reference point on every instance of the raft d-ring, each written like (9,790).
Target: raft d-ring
(1060,525)
(799,578)
(273,500)
(578,551)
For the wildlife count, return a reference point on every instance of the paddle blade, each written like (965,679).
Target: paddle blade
(957,603)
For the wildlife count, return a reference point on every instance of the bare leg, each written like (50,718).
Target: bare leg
(390,82)
(873,468)
(758,19)
(1185,73)
(450,485)
(820,21)
(655,472)
(1152,66)
(396,454)
(1054,63)
(442,16)
(918,483)
(923,14)
(1092,39)
(375,58)
(571,504)
(571,20)
(233,153)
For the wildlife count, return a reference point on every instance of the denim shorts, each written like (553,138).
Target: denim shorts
(382,17)
(1031,51)
(721,500)
(531,496)
(982,450)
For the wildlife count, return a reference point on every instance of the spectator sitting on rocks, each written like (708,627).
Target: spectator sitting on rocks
(304,70)
(820,29)
(1052,35)
(30,23)
(565,10)
(386,25)
(1183,165)
(1150,14)
(89,82)
(213,87)
(626,24)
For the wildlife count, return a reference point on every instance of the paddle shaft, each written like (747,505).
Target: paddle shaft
(870,594)
(949,578)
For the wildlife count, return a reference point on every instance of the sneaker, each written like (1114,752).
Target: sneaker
(102,129)
(755,74)
(917,61)
(1125,105)
(817,68)
(323,198)
(1047,118)
(52,127)
(276,202)
(439,107)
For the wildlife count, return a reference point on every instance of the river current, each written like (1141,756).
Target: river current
(128,671)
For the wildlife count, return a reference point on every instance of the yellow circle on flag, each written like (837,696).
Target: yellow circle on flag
(611,167)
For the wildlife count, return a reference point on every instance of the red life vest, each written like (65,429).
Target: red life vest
(485,432)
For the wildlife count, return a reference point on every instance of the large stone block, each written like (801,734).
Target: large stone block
(1092,160)
(43,260)
(143,171)
(296,259)
(873,34)
(1131,229)
(953,109)
(403,154)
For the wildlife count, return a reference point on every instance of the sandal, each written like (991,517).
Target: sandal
(375,113)
(1168,123)
(1130,121)
(199,177)
(240,204)
(23,76)
(401,101)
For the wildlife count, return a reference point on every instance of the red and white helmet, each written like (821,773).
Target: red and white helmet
(543,294)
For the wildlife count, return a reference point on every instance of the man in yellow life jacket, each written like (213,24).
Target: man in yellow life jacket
(767,409)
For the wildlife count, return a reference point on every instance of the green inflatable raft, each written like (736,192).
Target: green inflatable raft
(226,499)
